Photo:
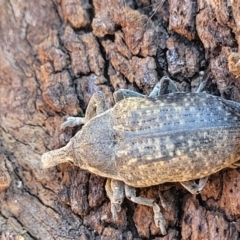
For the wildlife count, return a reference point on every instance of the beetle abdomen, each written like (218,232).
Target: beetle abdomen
(176,137)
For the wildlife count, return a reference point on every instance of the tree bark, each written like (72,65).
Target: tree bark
(54,55)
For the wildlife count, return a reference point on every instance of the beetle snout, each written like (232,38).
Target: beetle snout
(55,157)
(47,160)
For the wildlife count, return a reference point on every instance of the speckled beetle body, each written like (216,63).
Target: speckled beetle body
(174,138)
(144,141)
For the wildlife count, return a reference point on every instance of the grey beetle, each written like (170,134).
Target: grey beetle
(144,141)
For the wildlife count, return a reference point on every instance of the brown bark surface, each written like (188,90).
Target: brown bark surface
(53,56)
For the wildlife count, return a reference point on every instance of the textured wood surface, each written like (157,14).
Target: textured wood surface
(54,55)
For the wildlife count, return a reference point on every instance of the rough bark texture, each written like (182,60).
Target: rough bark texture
(54,55)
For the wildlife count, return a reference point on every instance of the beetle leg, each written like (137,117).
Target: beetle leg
(201,86)
(125,93)
(115,192)
(164,86)
(159,220)
(193,187)
(96,105)
(162,200)
(118,191)
(114,207)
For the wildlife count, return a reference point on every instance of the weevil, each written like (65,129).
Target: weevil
(169,136)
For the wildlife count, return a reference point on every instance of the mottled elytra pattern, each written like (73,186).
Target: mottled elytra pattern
(182,135)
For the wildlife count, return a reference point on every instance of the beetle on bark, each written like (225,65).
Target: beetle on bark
(169,136)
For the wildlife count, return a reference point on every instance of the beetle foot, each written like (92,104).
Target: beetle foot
(115,209)
(72,122)
(159,219)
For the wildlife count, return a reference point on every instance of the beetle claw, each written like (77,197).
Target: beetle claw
(115,208)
